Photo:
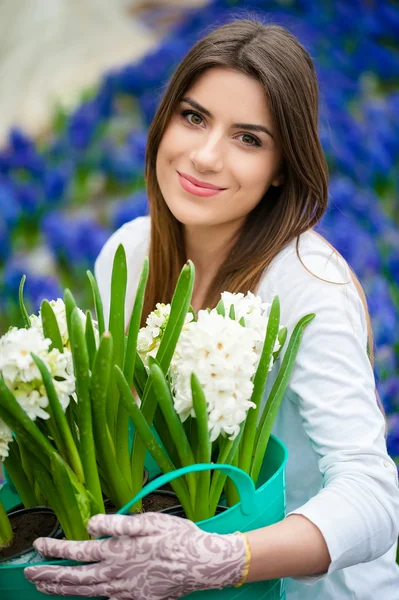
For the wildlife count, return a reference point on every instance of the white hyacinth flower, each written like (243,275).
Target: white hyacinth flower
(255,314)
(59,310)
(221,354)
(22,376)
(150,336)
(5,439)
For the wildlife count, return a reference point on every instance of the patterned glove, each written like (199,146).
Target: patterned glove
(152,556)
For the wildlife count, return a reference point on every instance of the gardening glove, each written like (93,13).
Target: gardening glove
(151,556)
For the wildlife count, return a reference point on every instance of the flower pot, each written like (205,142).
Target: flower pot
(28,524)
(259,507)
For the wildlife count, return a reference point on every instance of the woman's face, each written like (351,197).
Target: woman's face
(220,134)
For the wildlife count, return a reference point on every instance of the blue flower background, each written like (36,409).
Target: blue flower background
(62,197)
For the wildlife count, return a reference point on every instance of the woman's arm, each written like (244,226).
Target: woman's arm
(293,547)
(332,387)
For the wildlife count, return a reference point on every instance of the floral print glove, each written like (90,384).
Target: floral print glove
(151,556)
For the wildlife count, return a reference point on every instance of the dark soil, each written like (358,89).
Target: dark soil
(28,526)
(154,502)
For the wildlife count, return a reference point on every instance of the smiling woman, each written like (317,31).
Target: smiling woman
(240,115)
(210,147)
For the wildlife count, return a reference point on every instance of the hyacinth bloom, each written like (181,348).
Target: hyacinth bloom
(22,376)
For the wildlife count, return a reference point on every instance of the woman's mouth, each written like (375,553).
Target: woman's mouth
(196,189)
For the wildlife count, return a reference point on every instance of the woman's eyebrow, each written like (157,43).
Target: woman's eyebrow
(249,126)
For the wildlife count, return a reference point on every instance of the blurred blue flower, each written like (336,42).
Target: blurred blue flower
(393,435)
(130,208)
(82,125)
(30,198)
(56,183)
(77,240)
(20,141)
(10,209)
(389,393)
(5,244)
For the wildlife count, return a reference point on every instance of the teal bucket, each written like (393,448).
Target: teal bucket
(258,507)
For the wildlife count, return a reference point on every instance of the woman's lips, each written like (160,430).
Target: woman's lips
(195,189)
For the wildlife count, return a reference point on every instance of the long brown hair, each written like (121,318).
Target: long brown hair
(274,57)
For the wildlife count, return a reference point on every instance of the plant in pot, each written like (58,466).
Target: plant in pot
(64,438)
(202,390)
(106,366)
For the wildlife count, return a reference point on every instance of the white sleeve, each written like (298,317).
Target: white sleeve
(357,510)
(135,238)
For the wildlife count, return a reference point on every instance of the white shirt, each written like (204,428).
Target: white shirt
(339,474)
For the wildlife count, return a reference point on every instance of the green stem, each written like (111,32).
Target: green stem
(90,337)
(6,534)
(178,311)
(202,507)
(97,302)
(117,329)
(232,495)
(276,395)
(17,474)
(121,489)
(149,440)
(173,425)
(58,424)
(24,312)
(134,325)
(227,453)
(82,373)
(259,386)
(50,326)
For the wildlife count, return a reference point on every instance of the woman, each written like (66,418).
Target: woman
(236,182)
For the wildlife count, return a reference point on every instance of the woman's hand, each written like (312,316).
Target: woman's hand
(151,556)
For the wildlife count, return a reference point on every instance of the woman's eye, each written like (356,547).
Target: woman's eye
(185,114)
(253,141)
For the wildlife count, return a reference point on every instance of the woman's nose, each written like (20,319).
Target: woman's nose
(208,155)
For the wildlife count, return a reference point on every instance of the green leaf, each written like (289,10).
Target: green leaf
(19,422)
(90,337)
(51,329)
(81,365)
(140,376)
(173,424)
(97,302)
(150,442)
(276,395)
(134,325)
(204,449)
(106,454)
(18,476)
(282,336)
(232,313)
(24,312)
(65,441)
(117,329)
(192,311)
(70,304)
(260,380)
(75,505)
(227,452)
(220,308)
(6,534)
(178,311)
